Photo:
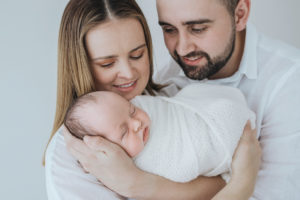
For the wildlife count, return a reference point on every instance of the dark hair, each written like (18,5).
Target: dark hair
(230,5)
(74,122)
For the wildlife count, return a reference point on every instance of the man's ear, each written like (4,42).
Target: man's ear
(241,14)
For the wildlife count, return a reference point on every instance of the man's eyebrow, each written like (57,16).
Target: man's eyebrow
(114,56)
(161,23)
(199,21)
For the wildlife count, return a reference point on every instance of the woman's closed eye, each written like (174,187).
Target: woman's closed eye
(137,55)
(106,62)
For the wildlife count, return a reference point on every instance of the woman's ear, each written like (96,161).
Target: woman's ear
(241,14)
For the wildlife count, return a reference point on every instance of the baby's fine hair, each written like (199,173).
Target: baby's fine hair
(73,120)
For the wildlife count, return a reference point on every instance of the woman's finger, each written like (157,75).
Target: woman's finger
(76,146)
(98,143)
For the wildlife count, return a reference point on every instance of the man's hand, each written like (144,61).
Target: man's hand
(246,159)
(245,166)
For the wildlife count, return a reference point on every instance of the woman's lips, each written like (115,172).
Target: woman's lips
(145,135)
(192,60)
(127,87)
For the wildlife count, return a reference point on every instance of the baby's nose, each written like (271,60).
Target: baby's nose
(137,125)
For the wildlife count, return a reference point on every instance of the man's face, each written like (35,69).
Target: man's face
(199,34)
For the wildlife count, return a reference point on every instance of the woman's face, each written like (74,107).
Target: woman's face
(119,57)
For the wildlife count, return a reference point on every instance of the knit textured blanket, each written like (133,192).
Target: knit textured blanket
(193,133)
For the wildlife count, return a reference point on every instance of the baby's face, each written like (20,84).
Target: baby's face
(116,119)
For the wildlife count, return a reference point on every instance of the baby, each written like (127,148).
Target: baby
(111,116)
(193,133)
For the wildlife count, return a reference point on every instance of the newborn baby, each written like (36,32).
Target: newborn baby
(111,116)
(193,133)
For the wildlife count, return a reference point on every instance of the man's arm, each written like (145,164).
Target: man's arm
(245,165)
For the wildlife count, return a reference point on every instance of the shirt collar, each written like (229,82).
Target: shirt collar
(248,65)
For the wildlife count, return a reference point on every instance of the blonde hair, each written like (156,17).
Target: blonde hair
(74,76)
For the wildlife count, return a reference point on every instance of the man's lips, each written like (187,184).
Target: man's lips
(192,60)
(126,86)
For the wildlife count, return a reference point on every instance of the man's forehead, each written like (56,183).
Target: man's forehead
(187,11)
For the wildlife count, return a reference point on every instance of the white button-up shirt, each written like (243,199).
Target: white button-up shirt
(269,77)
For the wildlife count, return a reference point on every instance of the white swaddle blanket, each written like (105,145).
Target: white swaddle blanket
(193,133)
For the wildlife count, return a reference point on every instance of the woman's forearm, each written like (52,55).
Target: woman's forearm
(149,186)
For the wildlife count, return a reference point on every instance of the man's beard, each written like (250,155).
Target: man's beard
(211,67)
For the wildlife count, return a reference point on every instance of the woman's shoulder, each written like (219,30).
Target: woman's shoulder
(57,155)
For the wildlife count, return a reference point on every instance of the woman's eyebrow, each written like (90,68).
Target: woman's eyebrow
(104,57)
(140,46)
(114,56)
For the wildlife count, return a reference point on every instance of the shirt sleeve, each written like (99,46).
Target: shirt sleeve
(66,180)
(279,176)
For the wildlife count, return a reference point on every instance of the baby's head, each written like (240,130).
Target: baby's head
(111,116)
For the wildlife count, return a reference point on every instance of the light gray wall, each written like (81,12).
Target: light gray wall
(28,45)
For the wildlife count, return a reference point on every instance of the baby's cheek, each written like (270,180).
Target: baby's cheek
(134,146)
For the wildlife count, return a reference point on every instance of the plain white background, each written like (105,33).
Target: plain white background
(28,51)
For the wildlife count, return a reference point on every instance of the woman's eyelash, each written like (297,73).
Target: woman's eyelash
(107,65)
(137,57)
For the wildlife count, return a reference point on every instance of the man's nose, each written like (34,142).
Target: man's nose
(185,44)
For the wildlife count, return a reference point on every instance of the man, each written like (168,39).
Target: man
(211,41)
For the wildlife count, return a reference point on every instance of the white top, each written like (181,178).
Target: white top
(269,77)
(194,132)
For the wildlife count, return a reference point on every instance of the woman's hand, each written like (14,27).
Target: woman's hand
(107,161)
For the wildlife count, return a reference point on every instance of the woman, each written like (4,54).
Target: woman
(106,45)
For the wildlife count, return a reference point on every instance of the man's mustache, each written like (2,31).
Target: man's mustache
(193,54)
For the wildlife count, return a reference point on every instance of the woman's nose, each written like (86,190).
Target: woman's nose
(126,70)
